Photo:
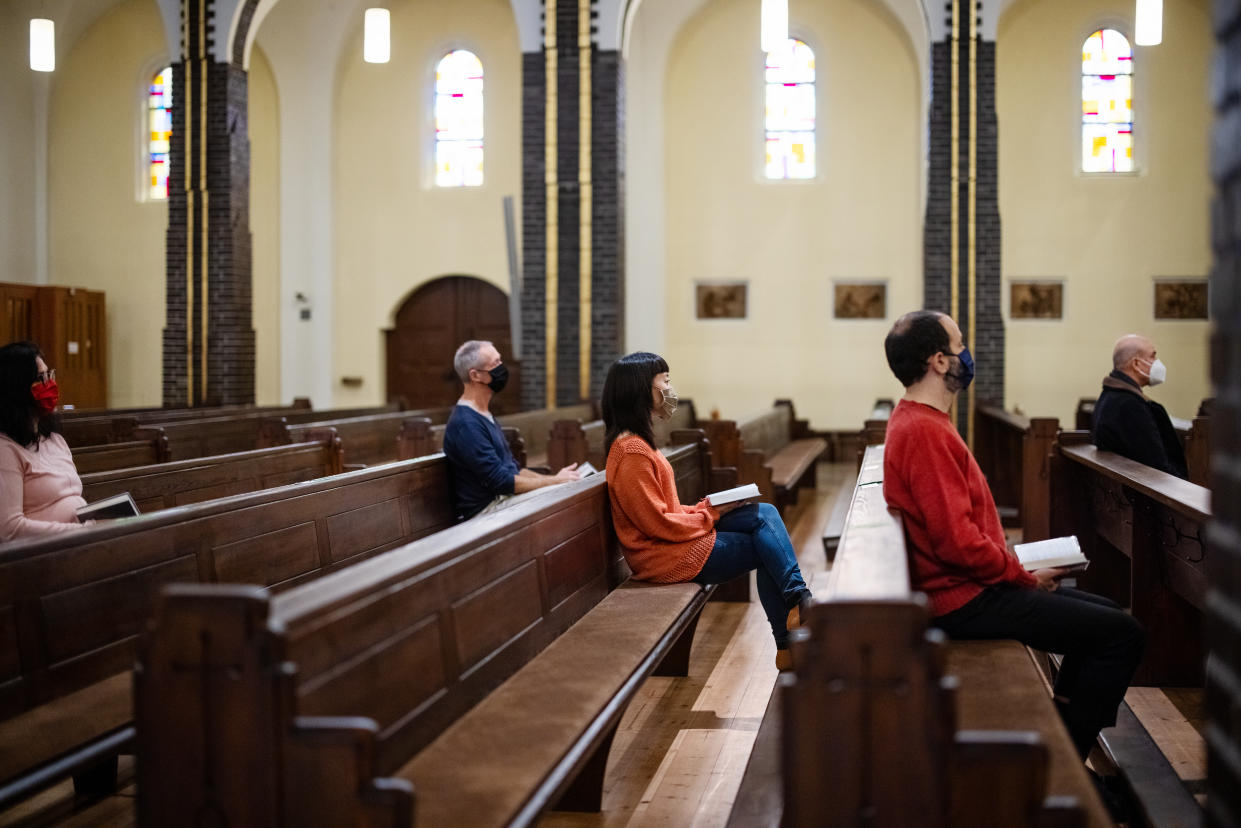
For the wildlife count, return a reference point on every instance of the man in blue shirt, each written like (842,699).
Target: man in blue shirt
(480,465)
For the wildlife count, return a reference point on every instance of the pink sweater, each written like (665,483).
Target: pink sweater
(39,490)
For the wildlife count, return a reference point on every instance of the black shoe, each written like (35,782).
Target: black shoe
(1115,797)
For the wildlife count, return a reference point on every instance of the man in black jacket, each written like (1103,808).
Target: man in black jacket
(1129,423)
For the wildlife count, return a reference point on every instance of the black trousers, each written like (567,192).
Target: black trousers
(1101,643)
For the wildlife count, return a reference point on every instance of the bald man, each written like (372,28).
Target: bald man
(1128,422)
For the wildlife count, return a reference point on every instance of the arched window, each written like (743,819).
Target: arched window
(459,120)
(1107,103)
(159,127)
(790,111)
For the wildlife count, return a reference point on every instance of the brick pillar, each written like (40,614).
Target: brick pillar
(972,211)
(1223,685)
(208,338)
(585,180)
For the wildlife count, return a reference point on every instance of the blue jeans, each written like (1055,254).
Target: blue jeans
(754,537)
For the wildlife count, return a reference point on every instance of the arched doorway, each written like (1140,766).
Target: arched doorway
(430,325)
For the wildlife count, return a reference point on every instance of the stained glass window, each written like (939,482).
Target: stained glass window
(1107,103)
(459,120)
(159,120)
(790,111)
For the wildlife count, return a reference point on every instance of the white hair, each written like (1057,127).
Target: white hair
(467,358)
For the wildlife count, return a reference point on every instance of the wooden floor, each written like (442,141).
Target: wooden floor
(682,747)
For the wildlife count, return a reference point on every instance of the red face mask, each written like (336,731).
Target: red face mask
(46,395)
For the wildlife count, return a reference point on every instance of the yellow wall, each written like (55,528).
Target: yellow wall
(264,123)
(394,229)
(100,234)
(859,220)
(1106,237)
(17,148)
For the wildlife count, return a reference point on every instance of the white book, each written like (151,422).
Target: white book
(1055,553)
(586,469)
(747,492)
(117,506)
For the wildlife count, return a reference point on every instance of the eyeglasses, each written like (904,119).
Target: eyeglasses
(46,376)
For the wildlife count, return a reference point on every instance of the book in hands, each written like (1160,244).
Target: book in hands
(1057,553)
(586,469)
(117,506)
(747,492)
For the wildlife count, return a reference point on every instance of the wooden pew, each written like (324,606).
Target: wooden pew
(872,434)
(72,605)
(146,446)
(774,450)
(883,723)
(1197,441)
(536,427)
(484,668)
(418,438)
(575,441)
(1014,453)
(365,440)
(165,485)
(97,427)
(1144,532)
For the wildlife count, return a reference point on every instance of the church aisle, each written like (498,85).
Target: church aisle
(682,748)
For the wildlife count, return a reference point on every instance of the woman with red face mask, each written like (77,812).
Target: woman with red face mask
(40,491)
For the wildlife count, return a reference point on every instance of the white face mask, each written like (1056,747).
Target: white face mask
(1158,372)
(668,406)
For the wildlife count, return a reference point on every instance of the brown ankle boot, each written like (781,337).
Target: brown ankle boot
(784,660)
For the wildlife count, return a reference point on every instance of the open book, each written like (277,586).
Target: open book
(117,506)
(747,492)
(1056,553)
(586,469)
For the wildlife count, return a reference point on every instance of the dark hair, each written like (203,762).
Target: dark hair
(915,338)
(18,411)
(627,397)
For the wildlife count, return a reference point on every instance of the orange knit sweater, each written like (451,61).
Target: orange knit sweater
(662,540)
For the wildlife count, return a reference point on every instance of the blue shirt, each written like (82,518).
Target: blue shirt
(480,464)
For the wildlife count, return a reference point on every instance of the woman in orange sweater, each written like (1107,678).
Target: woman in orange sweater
(666,542)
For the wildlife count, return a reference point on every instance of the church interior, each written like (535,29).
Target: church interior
(250,235)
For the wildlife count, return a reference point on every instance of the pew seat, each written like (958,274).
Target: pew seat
(774,450)
(541,739)
(835,525)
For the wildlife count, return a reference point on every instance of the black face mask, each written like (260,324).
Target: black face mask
(499,378)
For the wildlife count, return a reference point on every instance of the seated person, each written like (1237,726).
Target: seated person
(666,542)
(1128,422)
(481,467)
(974,585)
(40,491)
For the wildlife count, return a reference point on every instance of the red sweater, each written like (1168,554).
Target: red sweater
(956,543)
(662,540)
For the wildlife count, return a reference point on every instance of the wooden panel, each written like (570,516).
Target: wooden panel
(487,619)
(409,666)
(268,558)
(363,529)
(573,564)
(10,661)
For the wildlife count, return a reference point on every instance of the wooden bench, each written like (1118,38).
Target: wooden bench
(774,450)
(72,605)
(146,446)
(884,723)
(365,440)
(485,669)
(872,434)
(418,437)
(98,427)
(1014,453)
(165,485)
(536,427)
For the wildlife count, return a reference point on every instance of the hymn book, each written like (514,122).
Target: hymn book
(747,492)
(586,469)
(117,506)
(1056,553)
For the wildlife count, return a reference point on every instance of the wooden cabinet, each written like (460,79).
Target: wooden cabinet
(70,325)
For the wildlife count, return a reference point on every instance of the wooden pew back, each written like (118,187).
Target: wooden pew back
(165,485)
(96,427)
(536,426)
(365,440)
(147,446)
(1014,453)
(419,438)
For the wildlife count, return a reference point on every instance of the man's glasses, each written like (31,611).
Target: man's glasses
(46,376)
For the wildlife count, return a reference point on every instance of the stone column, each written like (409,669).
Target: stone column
(961,241)
(1223,684)
(208,338)
(572,208)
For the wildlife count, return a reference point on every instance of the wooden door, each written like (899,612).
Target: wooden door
(72,331)
(431,324)
(17,312)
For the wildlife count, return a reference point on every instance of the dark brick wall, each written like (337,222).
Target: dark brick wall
(219,198)
(987,343)
(1223,687)
(606,215)
(533,230)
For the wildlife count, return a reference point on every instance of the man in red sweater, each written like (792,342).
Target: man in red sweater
(958,555)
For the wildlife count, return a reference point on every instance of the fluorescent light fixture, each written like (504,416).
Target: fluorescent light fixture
(775,25)
(42,45)
(1148,24)
(377,42)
